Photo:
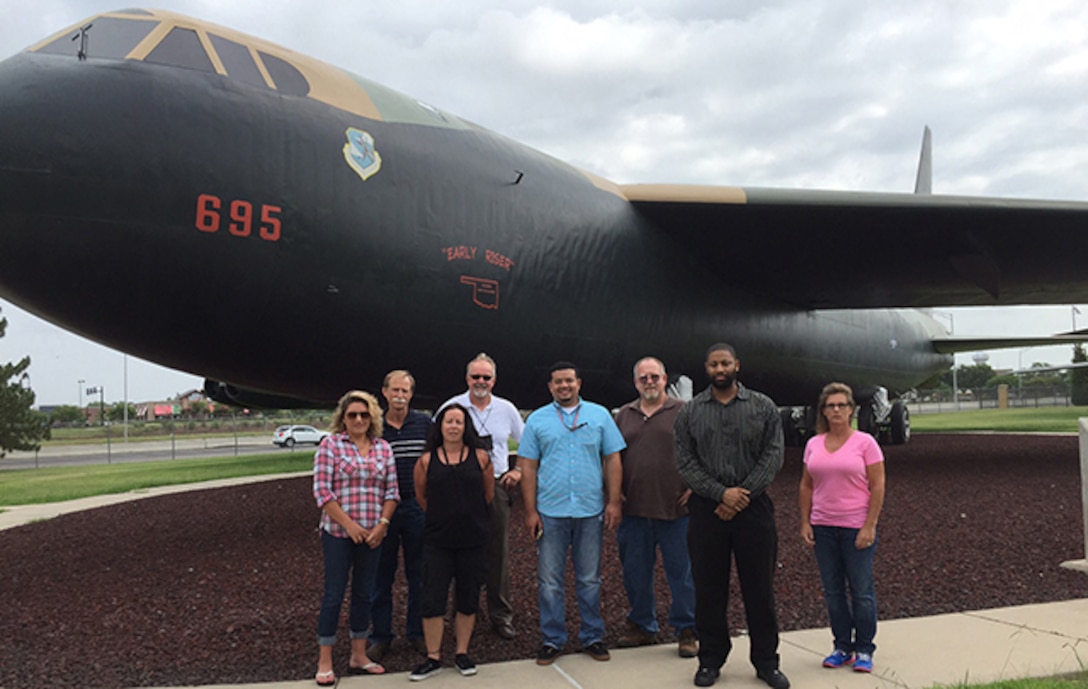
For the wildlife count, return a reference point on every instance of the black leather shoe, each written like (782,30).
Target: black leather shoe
(505,630)
(774,678)
(707,676)
(547,655)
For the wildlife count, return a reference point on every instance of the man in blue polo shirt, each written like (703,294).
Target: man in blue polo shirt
(569,449)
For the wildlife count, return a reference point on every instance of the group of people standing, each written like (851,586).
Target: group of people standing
(688,480)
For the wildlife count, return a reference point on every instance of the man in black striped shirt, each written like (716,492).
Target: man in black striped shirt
(405,430)
(728,450)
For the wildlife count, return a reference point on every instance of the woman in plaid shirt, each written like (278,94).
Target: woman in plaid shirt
(355,485)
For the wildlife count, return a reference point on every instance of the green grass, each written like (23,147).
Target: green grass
(1037,420)
(1073,681)
(33,486)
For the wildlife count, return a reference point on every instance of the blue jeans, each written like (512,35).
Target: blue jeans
(405,532)
(853,620)
(342,556)
(582,537)
(639,538)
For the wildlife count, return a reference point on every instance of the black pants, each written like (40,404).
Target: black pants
(749,538)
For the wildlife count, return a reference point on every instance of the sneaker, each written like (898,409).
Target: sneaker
(838,658)
(774,678)
(688,644)
(464,664)
(547,655)
(428,668)
(635,635)
(707,676)
(864,663)
(597,651)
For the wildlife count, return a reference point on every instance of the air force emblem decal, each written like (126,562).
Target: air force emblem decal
(360,154)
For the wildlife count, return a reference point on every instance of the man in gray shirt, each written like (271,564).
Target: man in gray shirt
(728,450)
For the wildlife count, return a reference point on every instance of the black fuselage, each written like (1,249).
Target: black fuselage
(113,175)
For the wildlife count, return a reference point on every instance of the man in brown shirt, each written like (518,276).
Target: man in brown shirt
(655,513)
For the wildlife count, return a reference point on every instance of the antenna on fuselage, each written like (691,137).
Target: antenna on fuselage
(82,36)
(923,183)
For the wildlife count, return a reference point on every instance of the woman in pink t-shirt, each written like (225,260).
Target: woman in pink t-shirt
(841,495)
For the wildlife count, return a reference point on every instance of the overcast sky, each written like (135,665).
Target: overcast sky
(776,93)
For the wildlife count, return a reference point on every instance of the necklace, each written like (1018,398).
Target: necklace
(446,458)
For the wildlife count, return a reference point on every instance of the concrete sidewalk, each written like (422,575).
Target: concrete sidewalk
(1006,643)
(986,645)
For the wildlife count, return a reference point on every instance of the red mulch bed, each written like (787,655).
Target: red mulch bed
(222,586)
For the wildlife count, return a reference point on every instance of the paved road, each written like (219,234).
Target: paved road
(143,451)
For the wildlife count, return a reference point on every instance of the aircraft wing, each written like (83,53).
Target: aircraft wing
(950,344)
(831,249)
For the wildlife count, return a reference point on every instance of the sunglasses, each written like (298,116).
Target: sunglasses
(357,415)
(836,405)
(480,376)
(654,377)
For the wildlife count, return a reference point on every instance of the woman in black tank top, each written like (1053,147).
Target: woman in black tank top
(454,485)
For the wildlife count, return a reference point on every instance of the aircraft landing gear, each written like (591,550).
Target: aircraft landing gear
(888,422)
(900,423)
(798,425)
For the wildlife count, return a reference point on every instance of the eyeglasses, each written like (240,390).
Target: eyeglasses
(358,415)
(837,405)
(651,377)
(480,376)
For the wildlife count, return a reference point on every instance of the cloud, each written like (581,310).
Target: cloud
(818,94)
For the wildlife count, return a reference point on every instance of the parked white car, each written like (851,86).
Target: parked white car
(287,436)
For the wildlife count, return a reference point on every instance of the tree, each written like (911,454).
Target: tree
(116,412)
(970,377)
(198,409)
(1006,379)
(21,428)
(1079,395)
(69,414)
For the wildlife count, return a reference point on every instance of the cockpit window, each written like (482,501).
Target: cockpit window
(238,61)
(181,48)
(288,80)
(108,38)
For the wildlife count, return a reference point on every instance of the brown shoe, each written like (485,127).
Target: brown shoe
(635,636)
(688,644)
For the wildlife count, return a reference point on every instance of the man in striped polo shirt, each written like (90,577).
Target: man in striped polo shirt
(406,432)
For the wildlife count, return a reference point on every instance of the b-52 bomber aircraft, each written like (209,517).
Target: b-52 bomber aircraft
(221,205)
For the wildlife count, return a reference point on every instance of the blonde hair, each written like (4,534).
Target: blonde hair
(371,402)
(399,373)
(829,390)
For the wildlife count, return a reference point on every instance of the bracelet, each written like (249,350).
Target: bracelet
(383,520)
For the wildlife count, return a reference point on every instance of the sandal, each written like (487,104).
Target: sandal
(325,679)
(371,668)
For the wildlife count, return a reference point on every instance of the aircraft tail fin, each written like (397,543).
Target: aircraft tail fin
(923,183)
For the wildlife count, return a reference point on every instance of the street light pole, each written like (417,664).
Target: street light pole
(125,396)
